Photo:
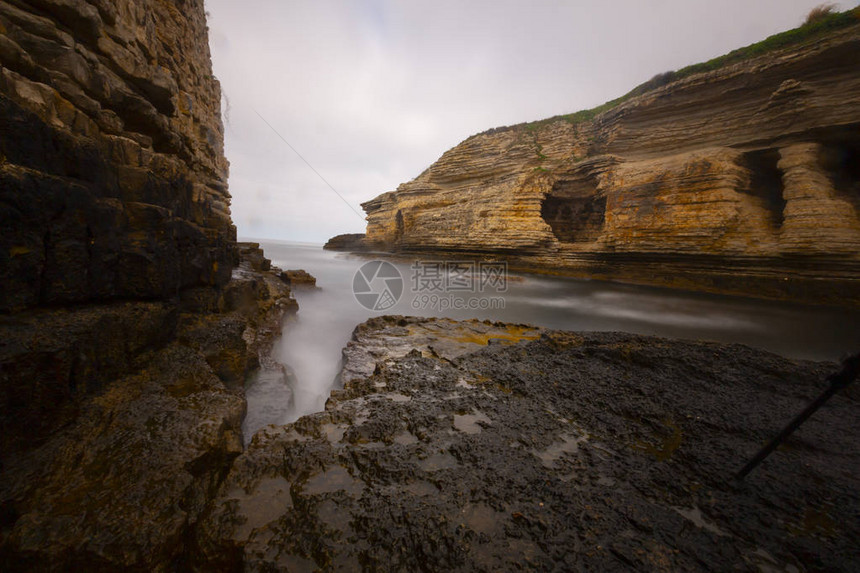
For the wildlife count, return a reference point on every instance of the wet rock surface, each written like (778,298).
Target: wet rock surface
(494,447)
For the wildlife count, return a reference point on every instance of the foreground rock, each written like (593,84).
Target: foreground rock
(127,467)
(741,179)
(474,446)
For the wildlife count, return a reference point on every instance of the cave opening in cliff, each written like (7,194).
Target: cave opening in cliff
(574,210)
(841,161)
(766,183)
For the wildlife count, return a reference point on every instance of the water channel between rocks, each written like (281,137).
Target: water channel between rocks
(312,341)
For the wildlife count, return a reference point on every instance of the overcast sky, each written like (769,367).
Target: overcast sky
(372,92)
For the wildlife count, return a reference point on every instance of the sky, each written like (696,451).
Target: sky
(328,103)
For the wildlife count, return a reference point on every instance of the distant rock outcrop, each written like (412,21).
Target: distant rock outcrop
(743,179)
(346,242)
(298,278)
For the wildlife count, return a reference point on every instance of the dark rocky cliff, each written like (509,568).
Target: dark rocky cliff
(113,181)
(742,179)
(129,316)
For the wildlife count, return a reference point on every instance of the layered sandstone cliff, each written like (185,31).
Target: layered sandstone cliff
(129,316)
(113,182)
(111,128)
(742,179)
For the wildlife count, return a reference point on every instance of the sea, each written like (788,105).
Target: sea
(352,288)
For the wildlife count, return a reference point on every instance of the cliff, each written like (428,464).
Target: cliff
(743,179)
(129,316)
(111,127)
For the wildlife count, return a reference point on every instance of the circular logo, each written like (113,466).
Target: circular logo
(377,285)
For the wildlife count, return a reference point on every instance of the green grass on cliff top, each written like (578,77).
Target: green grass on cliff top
(810,31)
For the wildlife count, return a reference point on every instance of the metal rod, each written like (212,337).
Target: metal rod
(838,381)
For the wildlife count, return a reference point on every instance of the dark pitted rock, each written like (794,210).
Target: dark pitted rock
(48,358)
(121,487)
(299,278)
(550,451)
(347,242)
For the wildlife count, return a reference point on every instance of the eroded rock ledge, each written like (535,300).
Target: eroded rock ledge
(461,446)
(743,180)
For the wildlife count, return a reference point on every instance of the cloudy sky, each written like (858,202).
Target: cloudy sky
(371,92)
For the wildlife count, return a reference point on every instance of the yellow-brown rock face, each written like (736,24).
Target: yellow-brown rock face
(113,181)
(745,179)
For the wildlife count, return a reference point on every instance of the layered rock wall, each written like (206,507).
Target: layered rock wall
(151,428)
(130,318)
(112,172)
(743,179)
(113,192)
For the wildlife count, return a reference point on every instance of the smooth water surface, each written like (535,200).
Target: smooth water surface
(312,341)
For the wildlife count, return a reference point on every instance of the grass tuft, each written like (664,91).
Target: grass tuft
(820,12)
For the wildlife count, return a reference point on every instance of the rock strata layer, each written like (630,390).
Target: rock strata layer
(113,181)
(743,179)
(470,446)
